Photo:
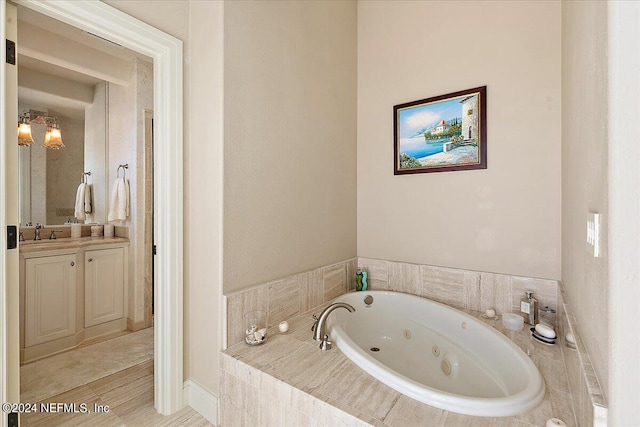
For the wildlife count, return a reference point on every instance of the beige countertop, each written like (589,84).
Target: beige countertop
(45,244)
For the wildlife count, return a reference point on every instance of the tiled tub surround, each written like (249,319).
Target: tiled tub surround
(587,397)
(285,298)
(457,288)
(308,292)
(289,381)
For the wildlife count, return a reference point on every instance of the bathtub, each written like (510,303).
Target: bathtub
(436,354)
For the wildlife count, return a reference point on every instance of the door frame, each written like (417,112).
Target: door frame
(166,51)
(9,279)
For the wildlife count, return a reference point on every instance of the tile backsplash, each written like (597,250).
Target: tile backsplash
(293,295)
(467,289)
(287,297)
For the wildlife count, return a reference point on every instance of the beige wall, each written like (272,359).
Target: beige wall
(199,26)
(290,138)
(126,146)
(203,177)
(584,170)
(503,219)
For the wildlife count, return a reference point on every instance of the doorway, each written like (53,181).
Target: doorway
(166,51)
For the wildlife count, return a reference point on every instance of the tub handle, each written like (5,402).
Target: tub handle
(315,323)
(325,344)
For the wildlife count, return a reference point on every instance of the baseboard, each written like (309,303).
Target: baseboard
(136,326)
(201,400)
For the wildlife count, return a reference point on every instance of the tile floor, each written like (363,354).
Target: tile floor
(66,371)
(129,395)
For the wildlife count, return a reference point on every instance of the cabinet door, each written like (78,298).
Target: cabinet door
(103,286)
(50,300)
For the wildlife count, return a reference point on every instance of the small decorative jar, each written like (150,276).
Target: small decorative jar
(96,230)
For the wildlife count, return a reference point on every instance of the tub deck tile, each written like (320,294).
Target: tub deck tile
(276,348)
(459,420)
(408,412)
(556,404)
(358,389)
(309,367)
(325,388)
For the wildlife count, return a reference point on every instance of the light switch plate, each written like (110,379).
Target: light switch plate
(593,234)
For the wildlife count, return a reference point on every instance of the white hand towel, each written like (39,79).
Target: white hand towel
(113,205)
(79,207)
(122,199)
(119,207)
(88,198)
(127,192)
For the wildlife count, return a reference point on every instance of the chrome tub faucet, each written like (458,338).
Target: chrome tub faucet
(319,326)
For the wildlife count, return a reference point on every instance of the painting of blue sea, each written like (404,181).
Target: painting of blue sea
(425,129)
(417,147)
(438,132)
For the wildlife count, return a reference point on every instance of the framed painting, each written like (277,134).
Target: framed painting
(440,134)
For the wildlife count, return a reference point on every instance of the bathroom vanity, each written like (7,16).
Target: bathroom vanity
(71,290)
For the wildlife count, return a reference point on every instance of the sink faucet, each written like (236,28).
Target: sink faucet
(53,234)
(319,326)
(38,228)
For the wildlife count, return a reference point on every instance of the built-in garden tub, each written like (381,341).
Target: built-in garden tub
(436,354)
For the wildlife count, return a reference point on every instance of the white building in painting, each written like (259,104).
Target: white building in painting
(442,127)
(470,118)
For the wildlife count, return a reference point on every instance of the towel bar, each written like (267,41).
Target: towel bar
(123,167)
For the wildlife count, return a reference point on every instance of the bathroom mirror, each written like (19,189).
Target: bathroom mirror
(49,178)
(97,91)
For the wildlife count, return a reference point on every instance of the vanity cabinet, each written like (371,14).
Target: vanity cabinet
(71,290)
(50,298)
(103,286)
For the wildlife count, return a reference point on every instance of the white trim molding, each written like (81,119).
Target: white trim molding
(4,386)
(202,400)
(166,51)
(623,37)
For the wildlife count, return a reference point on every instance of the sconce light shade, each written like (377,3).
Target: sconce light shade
(53,138)
(24,133)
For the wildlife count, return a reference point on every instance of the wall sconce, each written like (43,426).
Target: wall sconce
(24,132)
(52,136)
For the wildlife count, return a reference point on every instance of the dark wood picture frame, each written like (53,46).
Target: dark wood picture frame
(441,134)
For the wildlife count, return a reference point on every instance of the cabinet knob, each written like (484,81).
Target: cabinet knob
(90,259)
(72,263)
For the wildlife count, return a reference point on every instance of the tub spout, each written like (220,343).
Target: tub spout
(319,327)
